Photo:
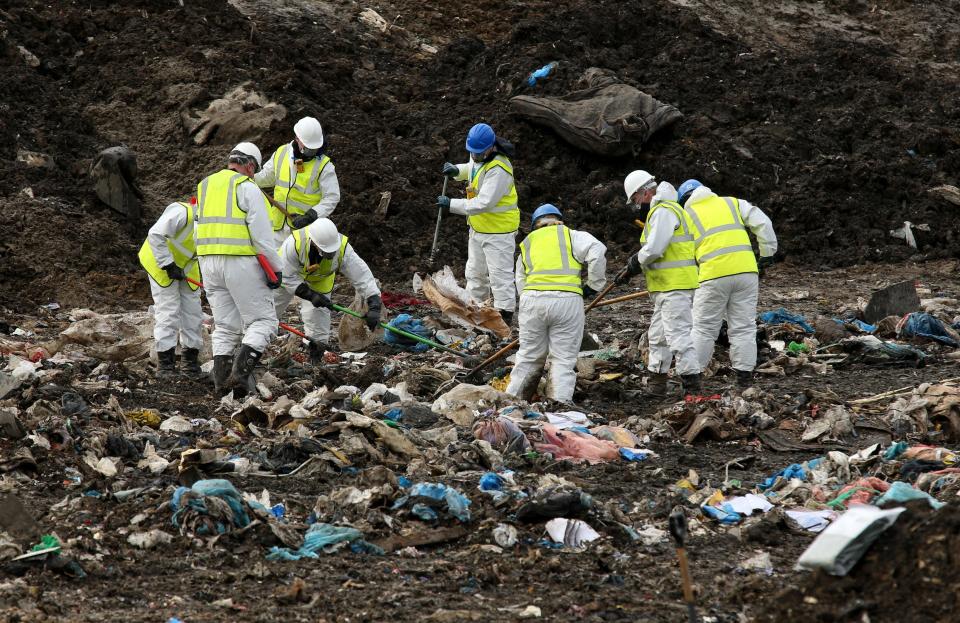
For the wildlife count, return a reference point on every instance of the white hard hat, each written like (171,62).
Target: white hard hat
(309,132)
(635,181)
(249,149)
(323,233)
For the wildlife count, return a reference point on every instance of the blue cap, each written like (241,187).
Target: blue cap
(686,188)
(480,138)
(545,209)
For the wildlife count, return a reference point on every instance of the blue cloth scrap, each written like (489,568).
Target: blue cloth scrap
(900,492)
(781,316)
(921,324)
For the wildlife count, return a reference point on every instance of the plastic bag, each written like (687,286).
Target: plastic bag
(502,434)
(576,446)
(408,323)
(618,435)
(320,536)
(919,324)
(353,334)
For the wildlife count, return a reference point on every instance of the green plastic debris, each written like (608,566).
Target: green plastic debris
(47,541)
(797,348)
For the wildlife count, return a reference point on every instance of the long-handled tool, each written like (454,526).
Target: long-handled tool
(467,359)
(623,299)
(503,351)
(678,530)
(436,231)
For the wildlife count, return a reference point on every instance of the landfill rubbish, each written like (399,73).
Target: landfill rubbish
(571,532)
(838,548)
(923,325)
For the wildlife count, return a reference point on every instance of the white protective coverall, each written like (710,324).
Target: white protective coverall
(733,297)
(329,186)
(489,266)
(551,322)
(236,287)
(316,320)
(176,308)
(671,326)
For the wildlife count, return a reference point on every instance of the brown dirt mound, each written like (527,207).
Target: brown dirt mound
(909,575)
(838,134)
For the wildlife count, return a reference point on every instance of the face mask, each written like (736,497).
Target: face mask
(309,153)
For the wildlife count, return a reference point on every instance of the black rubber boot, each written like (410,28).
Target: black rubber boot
(745,378)
(241,379)
(657,385)
(191,364)
(692,384)
(166,362)
(221,371)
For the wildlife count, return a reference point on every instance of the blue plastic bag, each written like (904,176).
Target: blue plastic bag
(781,316)
(455,502)
(541,73)
(322,537)
(196,502)
(408,323)
(900,492)
(633,455)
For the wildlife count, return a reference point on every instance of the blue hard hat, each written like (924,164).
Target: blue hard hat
(480,138)
(545,209)
(686,188)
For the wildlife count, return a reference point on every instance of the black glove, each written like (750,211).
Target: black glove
(588,292)
(309,294)
(174,272)
(764,263)
(450,170)
(444,203)
(373,312)
(632,269)
(273,285)
(301,221)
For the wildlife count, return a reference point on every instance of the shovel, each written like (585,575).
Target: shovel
(436,231)
(678,530)
(467,359)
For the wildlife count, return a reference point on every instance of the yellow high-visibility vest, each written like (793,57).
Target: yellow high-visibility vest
(722,243)
(297,186)
(221,224)
(505,216)
(676,269)
(183,248)
(320,277)
(548,262)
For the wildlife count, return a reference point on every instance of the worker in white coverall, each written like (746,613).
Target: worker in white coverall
(304,181)
(312,258)
(492,215)
(728,273)
(233,228)
(551,300)
(169,255)
(666,258)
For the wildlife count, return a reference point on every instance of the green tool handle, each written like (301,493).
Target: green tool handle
(412,336)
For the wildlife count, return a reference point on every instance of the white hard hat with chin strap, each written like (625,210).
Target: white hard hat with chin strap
(249,150)
(637,180)
(310,133)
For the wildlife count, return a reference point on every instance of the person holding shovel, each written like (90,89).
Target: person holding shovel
(493,217)
(666,258)
(551,301)
(312,258)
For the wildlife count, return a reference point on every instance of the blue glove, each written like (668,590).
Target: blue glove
(444,203)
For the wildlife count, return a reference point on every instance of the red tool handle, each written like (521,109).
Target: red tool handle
(296,332)
(267,268)
(194,282)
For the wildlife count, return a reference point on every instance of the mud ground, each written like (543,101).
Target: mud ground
(835,117)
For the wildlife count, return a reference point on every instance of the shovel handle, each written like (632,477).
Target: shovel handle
(194,282)
(436,230)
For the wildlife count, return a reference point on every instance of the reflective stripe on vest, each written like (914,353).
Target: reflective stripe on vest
(319,277)
(547,255)
(504,217)
(221,224)
(722,243)
(676,269)
(183,248)
(298,191)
